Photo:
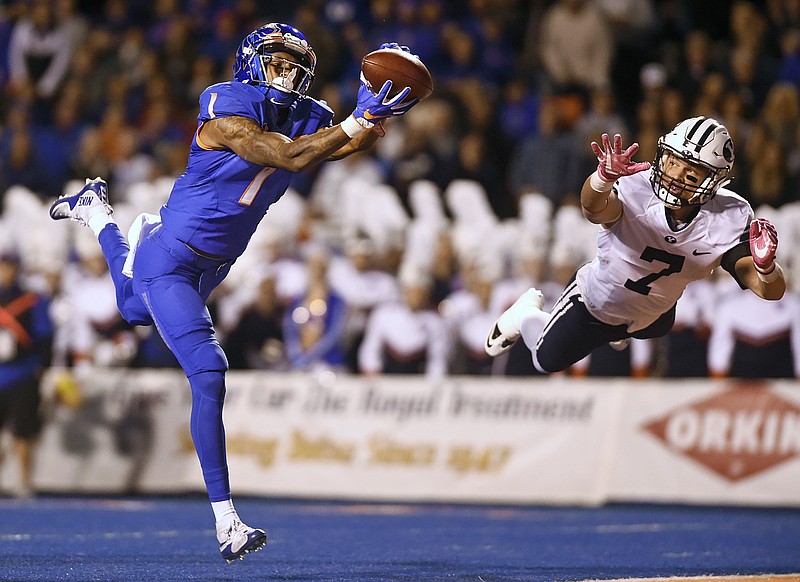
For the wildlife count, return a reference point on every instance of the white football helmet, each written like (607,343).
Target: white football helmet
(701,141)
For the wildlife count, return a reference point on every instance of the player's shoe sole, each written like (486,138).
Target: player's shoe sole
(239,540)
(620,345)
(506,330)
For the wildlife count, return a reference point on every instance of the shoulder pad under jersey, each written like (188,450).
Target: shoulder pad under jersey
(231,98)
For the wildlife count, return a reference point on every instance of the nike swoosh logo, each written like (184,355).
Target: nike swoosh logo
(495,335)
(761,251)
(697,253)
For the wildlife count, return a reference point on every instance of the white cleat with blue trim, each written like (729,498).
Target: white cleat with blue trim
(237,539)
(92,198)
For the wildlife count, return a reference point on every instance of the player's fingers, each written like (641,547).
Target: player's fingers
(596,149)
(606,143)
(397,99)
(617,143)
(387,86)
(631,151)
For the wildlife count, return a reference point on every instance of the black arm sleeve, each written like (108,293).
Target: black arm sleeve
(733,254)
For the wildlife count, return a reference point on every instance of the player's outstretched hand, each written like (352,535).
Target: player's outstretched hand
(763,244)
(613,162)
(371,107)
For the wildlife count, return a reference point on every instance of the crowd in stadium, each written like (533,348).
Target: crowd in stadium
(399,260)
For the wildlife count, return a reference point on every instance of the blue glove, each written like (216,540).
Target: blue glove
(394,45)
(372,108)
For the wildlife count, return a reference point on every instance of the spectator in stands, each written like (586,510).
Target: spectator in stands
(20,163)
(314,324)
(576,45)
(257,340)
(444,268)
(548,161)
(40,50)
(406,336)
(755,339)
(26,333)
(95,334)
(356,278)
(466,312)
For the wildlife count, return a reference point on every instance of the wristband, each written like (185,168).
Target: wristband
(598,184)
(768,277)
(352,127)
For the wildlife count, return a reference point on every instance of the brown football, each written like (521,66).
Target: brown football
(402,68)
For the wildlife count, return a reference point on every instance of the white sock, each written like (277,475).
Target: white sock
(98,222)
(531,327)
(224,512)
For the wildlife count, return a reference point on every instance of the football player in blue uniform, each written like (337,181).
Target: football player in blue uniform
(253,133)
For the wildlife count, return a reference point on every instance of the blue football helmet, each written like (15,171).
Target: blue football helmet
(282,80)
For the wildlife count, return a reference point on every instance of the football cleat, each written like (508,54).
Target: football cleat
(92,198)
(506,330)
(237,539)
(621,344)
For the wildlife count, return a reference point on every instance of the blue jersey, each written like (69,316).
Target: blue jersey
(218,202)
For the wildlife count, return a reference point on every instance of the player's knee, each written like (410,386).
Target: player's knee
(207,357)
(210,385)
(133,310)
(548,361)
(198,350)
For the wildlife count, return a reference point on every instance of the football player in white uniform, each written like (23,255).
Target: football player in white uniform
(662,227)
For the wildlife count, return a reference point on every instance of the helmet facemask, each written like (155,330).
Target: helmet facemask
(285,79)
(278,60)
(705,145)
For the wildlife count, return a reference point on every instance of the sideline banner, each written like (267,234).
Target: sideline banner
(710,442)
(335,436)
(475,440)
(404,438)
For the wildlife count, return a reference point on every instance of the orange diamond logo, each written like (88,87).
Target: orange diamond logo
(736,434)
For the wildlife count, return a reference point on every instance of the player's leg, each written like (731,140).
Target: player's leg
(90,207)
(660,327)
(26,425)
(169,289)
(571,333)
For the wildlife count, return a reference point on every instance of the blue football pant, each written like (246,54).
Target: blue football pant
(170,289)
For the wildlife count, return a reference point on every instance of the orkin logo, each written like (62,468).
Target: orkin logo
(737,433)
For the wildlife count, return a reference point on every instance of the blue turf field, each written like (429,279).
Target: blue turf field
(171,539)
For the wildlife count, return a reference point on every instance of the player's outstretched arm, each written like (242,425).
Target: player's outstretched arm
(246,139)
(760,271)
(599,203)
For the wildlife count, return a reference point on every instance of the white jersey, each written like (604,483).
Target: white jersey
(643,265)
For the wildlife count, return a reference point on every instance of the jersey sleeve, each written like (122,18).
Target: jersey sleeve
(229,99)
